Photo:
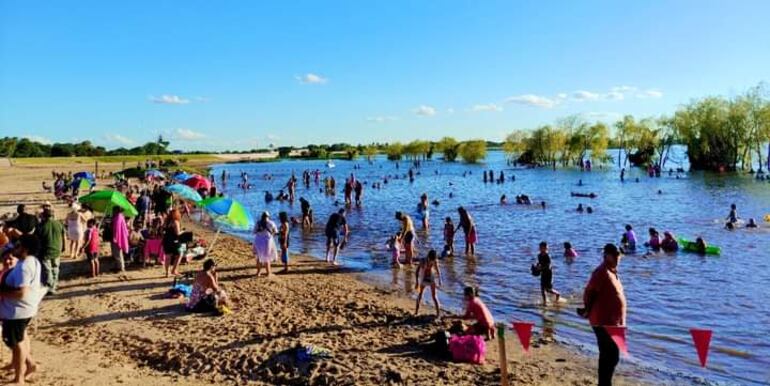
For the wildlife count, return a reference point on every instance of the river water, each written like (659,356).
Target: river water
(667,294)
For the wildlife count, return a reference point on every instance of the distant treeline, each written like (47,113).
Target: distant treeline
(24,147)
(720,134)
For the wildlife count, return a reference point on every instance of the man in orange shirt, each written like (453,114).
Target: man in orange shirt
(605,305)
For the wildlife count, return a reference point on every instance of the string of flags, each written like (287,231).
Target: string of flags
(701,338)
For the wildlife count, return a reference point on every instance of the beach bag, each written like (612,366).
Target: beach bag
(535,269)
(185,237)
(439,345)
(467,349)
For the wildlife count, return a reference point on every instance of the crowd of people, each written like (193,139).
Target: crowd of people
(156,236)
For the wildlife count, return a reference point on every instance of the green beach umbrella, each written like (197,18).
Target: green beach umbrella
(228,213)
(82,184)
(104,200)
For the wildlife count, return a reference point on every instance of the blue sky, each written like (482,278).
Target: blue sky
(244,74)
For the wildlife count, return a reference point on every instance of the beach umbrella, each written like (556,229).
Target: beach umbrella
(154,174)
(196,182)
(84,175)
(227,213)
(104,200)
(82,184)
(181,176)
(184,192)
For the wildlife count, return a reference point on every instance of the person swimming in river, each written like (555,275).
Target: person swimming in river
(700,245)
(669,243)
(752,224)
(503,200)
(654,241)
(579,208)
(589,210)
(733,216)
(628,241)
(589,195)
(569,253)
(546,273)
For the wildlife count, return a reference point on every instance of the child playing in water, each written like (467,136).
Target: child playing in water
(394,246)
(733,216)
(569,253)
(700,245)
(629,239)
(655,241)
(546,273)
(449,235)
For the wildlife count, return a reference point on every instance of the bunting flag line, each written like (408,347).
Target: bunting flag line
(524,331)
(618,335)
(702,340)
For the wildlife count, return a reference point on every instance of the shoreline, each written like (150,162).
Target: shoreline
(128,332)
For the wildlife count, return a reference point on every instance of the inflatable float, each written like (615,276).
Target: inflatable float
(691,246)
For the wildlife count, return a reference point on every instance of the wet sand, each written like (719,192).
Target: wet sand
(124,330)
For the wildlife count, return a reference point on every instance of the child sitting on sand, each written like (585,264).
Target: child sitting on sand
(569,253)
(449,236)
(546,273)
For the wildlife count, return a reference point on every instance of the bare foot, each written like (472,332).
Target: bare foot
(30,370)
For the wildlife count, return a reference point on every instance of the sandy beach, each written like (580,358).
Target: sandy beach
(125,330)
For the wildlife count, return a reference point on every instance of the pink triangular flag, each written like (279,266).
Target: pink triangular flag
(618,335)
(702,340)
(524,331)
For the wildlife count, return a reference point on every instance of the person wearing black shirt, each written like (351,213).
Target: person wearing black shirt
(24,223)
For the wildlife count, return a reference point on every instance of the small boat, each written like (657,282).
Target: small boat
(330,164)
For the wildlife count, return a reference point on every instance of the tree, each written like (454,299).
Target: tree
(473,151)
(394,151)
(370,152)
(515,144)
(448,147)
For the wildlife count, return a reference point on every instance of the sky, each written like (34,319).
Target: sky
(236,75)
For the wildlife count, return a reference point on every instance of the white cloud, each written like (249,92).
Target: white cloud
(38,138)
(202,99)
(582,95)
(169,100)
(272,137)
(450,110)
(561,95)
(187,135)
(623,89)
(651,93)
(425,111)
(532,100)
(600,115)
(486,107)
(615,95)
(117,138)
(381,119)
(311,78)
